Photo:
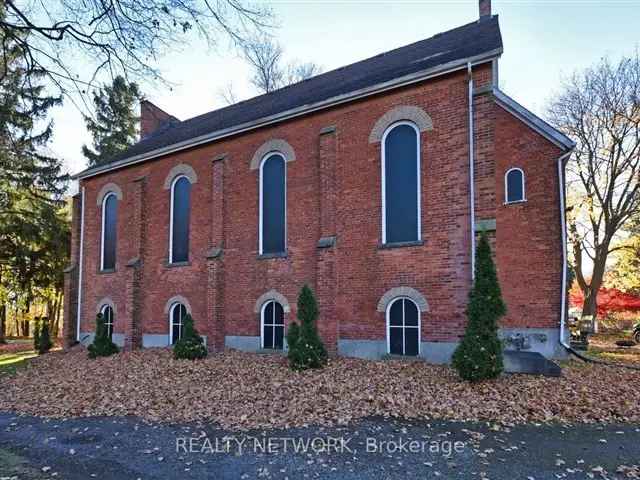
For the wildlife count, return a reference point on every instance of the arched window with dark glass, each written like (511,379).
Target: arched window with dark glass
(273,204)
(180,215)
(109,232)
(403,327)
(272,325)
(401,184)
(177,312)
(514,186)
(108,318)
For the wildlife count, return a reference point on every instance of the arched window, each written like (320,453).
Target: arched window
(401,183)
(273,198)
(177,312)
(109,231)
(179,220)
(108,317)
(514,185)
(272,319)
(403,327)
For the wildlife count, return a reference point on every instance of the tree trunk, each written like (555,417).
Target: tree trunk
(59,312)
(3,319)
(590,306)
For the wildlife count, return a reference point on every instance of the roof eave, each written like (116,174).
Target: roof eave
(295,112)
(533,121)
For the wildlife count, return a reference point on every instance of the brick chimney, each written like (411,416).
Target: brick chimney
(152,118)
(485,9)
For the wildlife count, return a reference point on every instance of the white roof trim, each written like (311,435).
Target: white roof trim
(532,120)
(295,112)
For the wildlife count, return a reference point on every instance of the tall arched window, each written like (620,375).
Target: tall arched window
(272,319)
(177,312)
(514,185)
(108,317)
(109,232)
(273,198)
(401,183)
(403,327)
(179,220)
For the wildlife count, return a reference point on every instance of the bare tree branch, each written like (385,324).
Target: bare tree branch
(117,37)
(600,110)
(265,56)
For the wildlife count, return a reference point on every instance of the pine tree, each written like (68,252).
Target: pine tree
(479,355)
(191,345)
(24,129)
(44,343)
(102,345)
(31,180)
(115,127)
(306,350)
(36,335)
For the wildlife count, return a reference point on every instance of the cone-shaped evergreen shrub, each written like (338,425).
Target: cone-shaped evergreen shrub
(102,345)
(44,341)
(306,350)
(36,335)
(479,355)
(191,344)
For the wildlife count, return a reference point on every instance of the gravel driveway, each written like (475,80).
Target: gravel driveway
(128,448)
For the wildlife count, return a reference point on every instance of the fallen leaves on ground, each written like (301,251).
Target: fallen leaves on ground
(243,391)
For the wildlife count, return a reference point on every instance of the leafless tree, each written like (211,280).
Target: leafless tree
(269,70)
(264,56)
(228,95)
(63,37)
(600,110)
(297,71)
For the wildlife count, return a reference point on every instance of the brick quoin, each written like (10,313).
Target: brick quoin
(334,190)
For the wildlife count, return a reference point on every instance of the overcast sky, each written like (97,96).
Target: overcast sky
(544,41)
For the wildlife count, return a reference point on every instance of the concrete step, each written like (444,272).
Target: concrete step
(518,361)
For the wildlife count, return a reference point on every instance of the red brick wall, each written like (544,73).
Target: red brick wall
(361,271)
(528,236)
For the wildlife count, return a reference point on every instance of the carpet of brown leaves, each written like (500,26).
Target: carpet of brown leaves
(244,391)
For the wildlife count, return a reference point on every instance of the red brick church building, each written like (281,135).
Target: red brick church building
(369,183)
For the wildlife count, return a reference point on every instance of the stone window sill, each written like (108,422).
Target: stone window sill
(271,351)
(266,256)
(403,358)
(106,271)
(515,202)
(386,246)
(177,264)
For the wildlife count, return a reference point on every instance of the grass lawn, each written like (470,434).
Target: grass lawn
(245,391)
(603,346)
(11,362)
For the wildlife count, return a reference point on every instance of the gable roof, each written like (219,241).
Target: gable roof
(534,122)
(475,42)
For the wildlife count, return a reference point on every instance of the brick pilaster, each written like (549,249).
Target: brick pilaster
(215,264)
(134,269)
(71,277)
(326,279)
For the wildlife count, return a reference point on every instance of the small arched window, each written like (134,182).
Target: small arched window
(109,232)
(177,312)
(108,317)
(403,327)
(514,186)
(273,198)
(272,319)
(401,183)
(179,220)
